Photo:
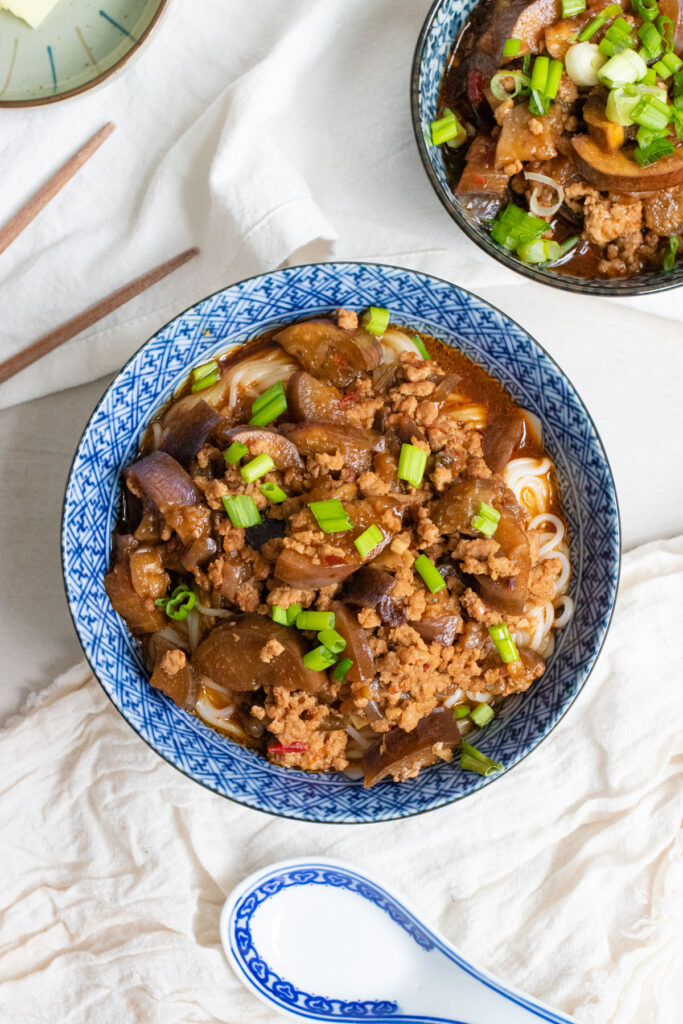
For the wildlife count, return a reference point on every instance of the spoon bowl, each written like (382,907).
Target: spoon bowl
(316,939)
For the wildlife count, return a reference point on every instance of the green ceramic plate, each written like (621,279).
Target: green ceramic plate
(80,43)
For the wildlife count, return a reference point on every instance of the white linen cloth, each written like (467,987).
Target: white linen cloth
(564,877)
(266,133)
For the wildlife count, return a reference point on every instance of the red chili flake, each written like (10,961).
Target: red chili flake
(348,399)
(291,748)
(479,179)
(475,86)
(425,668)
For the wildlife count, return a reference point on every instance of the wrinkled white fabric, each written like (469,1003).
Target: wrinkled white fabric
(564,877)
(266,133)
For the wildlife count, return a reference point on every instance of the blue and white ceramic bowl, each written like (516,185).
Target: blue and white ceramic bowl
(440,30)
(233,316)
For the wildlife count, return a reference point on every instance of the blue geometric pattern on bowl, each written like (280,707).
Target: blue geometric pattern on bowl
(231,317)
(440,30)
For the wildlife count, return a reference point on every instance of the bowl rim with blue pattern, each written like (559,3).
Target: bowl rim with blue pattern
(441,27)
(243,311)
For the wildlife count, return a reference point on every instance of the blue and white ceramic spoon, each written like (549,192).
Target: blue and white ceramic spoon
(317,940)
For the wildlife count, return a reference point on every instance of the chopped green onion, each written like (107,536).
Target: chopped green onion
(204,376)
(420,346)
(235,452)
(570,8)
(319,659)
(259,466)
(330,515)
(542,250)
(520,82)
(472,760)
(568,244)
(429,573)
(272,492)
(646,155)
(526,63)
(511,47)
(482,714)
(539,104)
(539,74)
(554,76)
(672,62)
(650,38)
(177,606)
(651,113)
(662,69)
(242,510)
(285,616)
(505,645)
(513,227)
(315,620)
(268,406)
(666,31)
(650,78)
(376,320)
(606,48)
(647,9)
(670,257)
(486,519)
(411,464)
(592,27)
(462,711)
(622,69)
(678,83)
(333,640)
(444,129)
(340,670)
(368,540)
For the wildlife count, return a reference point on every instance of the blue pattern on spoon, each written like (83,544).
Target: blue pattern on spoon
(301,934)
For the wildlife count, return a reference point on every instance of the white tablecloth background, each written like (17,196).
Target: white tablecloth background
(564,877)
(269,133)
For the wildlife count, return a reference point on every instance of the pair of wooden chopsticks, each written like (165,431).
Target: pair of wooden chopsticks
(14,227)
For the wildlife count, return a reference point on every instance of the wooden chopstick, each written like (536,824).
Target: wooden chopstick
(59,179)
(90,316)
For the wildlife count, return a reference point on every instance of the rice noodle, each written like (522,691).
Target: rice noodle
(528,480)
(254,376)
(218,718)
(156,434)
(537,208)
(173,637)
(193,628)
(567,604)
(470,413)
(354,772)
(453,699)
(360,740)
(217,613)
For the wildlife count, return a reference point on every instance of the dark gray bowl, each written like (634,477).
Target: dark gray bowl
(442,25)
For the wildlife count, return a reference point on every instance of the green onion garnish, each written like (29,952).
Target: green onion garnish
(570,8)
(268,406)
(512,227)
(429,573)
(482,714)
(272,492)
(462,711)
(411,464)
(646,155)
(330,515)
(205,375)
(319,659)
(554,76)
(315,620)
(622,69)
(500,82)
(447,129)
(672,62)
(333,640)
(376,320)
(486,519)
(511,47)
(177,606)
(592,27)
(542,250)
(665,27)
(472,760)
(650,38)
(241,509)
(341,669)
(539,74)
(235,452)
(671,250)
(649,78)
(420,346)
(651,113)
(647,9)
(259,466)
(526,63)
(539,104)
(285,616)
(368,540)
(505,645)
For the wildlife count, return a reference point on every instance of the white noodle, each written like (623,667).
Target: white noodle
(156,435)
(528,479)
(360,740)
(218,717)
(253,376)
(472,413)
(550,540)
(353,771)
(193,628)
(394,342)
(566,603)
(169,633)
(218,613)
(453,699)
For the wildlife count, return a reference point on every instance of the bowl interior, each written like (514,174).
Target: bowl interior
(442,26)
(231,317)
(80,43)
